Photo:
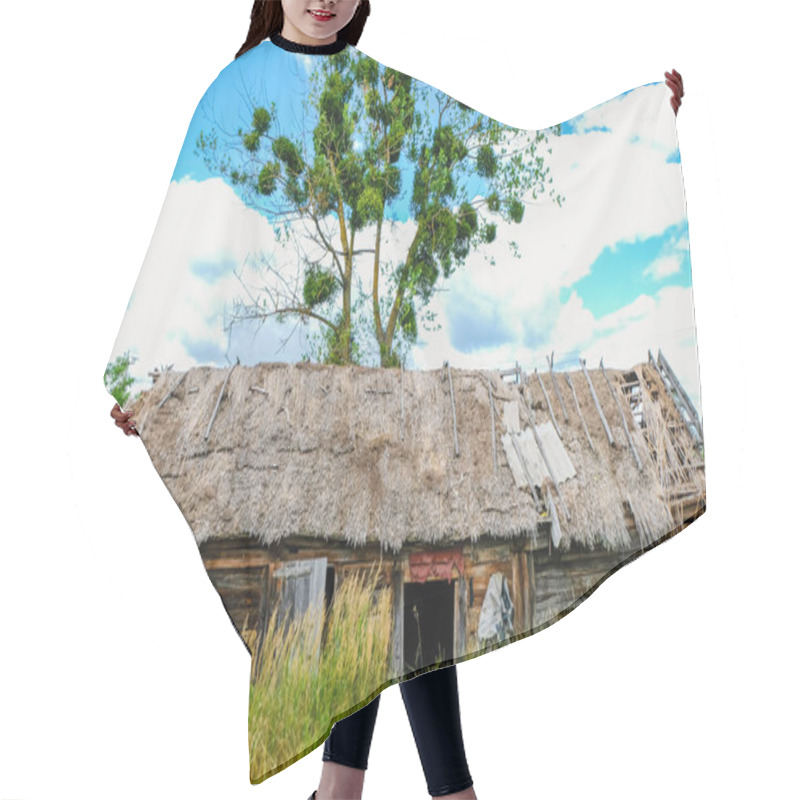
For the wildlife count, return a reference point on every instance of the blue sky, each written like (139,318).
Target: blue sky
(607,275)
(616,277)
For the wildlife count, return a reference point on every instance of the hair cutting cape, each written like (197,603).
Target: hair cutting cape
(419,381)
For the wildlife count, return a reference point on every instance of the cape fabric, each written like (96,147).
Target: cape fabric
(419,381)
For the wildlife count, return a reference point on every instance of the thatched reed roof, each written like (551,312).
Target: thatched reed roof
(334,452)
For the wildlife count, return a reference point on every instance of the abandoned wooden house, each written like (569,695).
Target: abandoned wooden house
(493,507)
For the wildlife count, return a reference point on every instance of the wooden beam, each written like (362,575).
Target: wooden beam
(453,406)
(219,399)
(169,393)
(550,360)
(402,403)
(622,415)
(597,404)
(676,384)
(549,407)
(555,526)
(494,432)
(580,413)
(398,581)
(540,445)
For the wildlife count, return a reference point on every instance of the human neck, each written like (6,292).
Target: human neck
(279,40)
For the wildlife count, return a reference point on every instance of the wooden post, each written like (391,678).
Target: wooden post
(219,399)
(494,434)
(517,597)
(580,413)
(402,403)
(550,360)
(169,393)
(639,531)
(532,577)
(398,603)
(525,581)
(624,421)
(452,405)
(461,618)
(549,407)
(597,404)
(555,526)
(540,445)
(678,387)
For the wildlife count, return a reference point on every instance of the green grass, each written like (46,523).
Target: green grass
(295,694)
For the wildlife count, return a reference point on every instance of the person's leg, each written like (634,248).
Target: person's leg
(435,715)
(346,753)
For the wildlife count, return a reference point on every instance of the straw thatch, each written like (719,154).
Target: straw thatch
(331,452)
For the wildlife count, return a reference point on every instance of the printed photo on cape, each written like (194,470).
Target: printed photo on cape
(418,381)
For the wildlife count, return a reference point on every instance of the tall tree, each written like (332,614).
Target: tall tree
(373,126)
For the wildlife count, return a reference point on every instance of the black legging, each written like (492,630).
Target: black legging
(432,706)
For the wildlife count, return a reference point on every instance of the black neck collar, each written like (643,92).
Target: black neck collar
(312,49)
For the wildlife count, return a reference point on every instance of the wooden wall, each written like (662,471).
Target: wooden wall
(240,570)
(564,580)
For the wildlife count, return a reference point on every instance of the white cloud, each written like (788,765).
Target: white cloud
(200,223)
(663,266)
(615,190)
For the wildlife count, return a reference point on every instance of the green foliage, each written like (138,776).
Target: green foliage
(117,380)
(261,120)
(443,230)
(341,176)
(389,357)
(370,204)
(516,210)
(333,134)
(393,183)
(296,192)
(466,227)
(268,178)
(251,141)
(323,190)
(349,182)
(366,72)
(486,162)
(319,286)
(408,321)
(339,346)
(448,148)
(287,152)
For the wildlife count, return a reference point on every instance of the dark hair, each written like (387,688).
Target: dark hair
(266,18)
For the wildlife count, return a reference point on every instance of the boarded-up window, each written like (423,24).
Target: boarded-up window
(300,587)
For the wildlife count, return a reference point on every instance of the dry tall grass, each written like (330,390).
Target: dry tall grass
(296,695)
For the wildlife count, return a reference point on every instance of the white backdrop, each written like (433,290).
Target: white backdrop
(120,673)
